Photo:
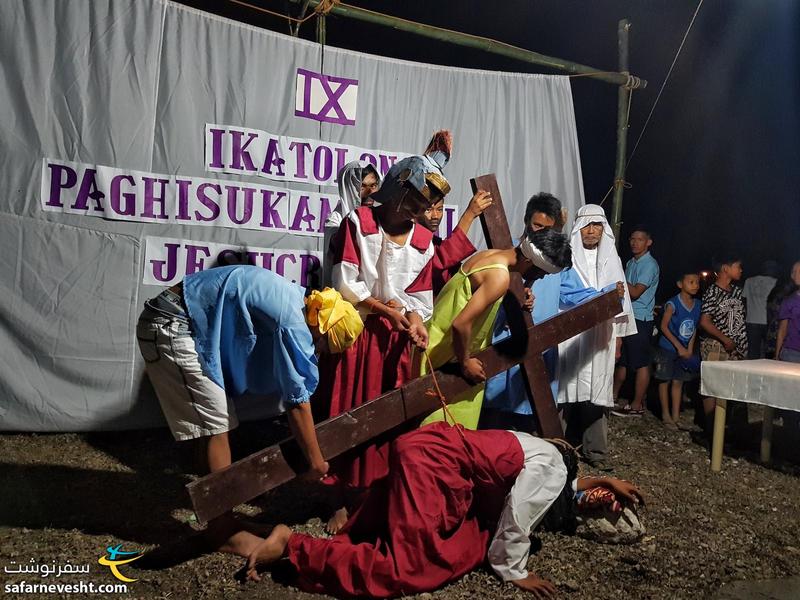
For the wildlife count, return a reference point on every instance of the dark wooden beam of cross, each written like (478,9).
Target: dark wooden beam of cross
(267,469)
(534,371)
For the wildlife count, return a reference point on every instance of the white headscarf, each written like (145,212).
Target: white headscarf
(609,265)
(350,178)
(536,256)
(586,361)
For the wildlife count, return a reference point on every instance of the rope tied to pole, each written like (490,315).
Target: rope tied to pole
(633,82)
(326,6)
(617,183)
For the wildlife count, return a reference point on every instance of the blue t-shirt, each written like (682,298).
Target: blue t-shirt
(643,270)
(683,323)
(250,332)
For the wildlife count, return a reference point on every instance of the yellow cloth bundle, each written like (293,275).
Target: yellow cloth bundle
(335,317)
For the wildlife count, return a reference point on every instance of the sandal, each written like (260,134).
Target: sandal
(628,411)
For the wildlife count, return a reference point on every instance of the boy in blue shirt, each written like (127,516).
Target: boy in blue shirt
(676,361)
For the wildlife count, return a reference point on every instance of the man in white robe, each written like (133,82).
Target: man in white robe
(586,361)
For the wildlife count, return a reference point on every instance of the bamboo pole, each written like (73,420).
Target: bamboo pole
(623,107)
(492,46)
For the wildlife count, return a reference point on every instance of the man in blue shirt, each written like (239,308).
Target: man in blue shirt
(232,330)
(641,273)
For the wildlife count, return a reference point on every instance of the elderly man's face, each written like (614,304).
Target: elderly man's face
(591,235)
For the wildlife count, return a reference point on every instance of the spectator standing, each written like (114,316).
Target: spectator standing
(756,290)
(788,344)
(642,274)
(722,320)
(676,360)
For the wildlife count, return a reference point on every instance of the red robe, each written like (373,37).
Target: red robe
(448,257)
(379,361)
(429,522)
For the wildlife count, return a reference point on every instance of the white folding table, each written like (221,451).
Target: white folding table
(771,383)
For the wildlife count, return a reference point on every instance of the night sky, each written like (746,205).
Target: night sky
(716,171)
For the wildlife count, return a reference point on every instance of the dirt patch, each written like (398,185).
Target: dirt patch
(66,498)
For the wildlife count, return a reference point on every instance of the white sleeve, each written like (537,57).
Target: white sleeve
(624,322)
(346,282)
(537,486)
(624,325)
(421,307)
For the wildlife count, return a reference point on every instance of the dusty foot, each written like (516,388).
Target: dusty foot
(225,534)
(268,551)
(241,543)
(337,521)
(262,530)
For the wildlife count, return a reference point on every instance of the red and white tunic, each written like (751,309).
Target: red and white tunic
(368,264)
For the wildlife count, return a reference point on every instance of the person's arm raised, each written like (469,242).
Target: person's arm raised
(479,203)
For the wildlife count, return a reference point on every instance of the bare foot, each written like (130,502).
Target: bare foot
(268,551)
(225,534)
(337,521)
(258,528)
(241,543)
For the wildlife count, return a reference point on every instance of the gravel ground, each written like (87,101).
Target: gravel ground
(64,498)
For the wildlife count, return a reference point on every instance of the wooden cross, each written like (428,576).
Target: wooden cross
(219,492)
(532,367)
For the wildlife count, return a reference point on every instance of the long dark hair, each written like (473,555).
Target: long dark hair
(562,516)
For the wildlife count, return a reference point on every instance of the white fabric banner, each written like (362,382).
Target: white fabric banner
(167,260)
(124,195)
(231,149)
(110,109)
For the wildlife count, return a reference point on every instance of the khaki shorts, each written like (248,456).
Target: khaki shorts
(193,405)
(711,349)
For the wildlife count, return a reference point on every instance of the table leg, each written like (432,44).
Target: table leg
(766,434)
(718,440)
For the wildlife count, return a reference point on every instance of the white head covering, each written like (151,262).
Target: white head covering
(350,178)
(609,265)
(586,361)
(536,256)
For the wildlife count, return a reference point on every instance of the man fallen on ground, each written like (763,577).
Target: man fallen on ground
(452,499)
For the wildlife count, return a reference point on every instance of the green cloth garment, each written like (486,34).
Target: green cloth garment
(466,408)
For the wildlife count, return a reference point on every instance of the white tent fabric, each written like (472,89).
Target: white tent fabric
(132,85)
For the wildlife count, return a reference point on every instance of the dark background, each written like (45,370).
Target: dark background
(715,172)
